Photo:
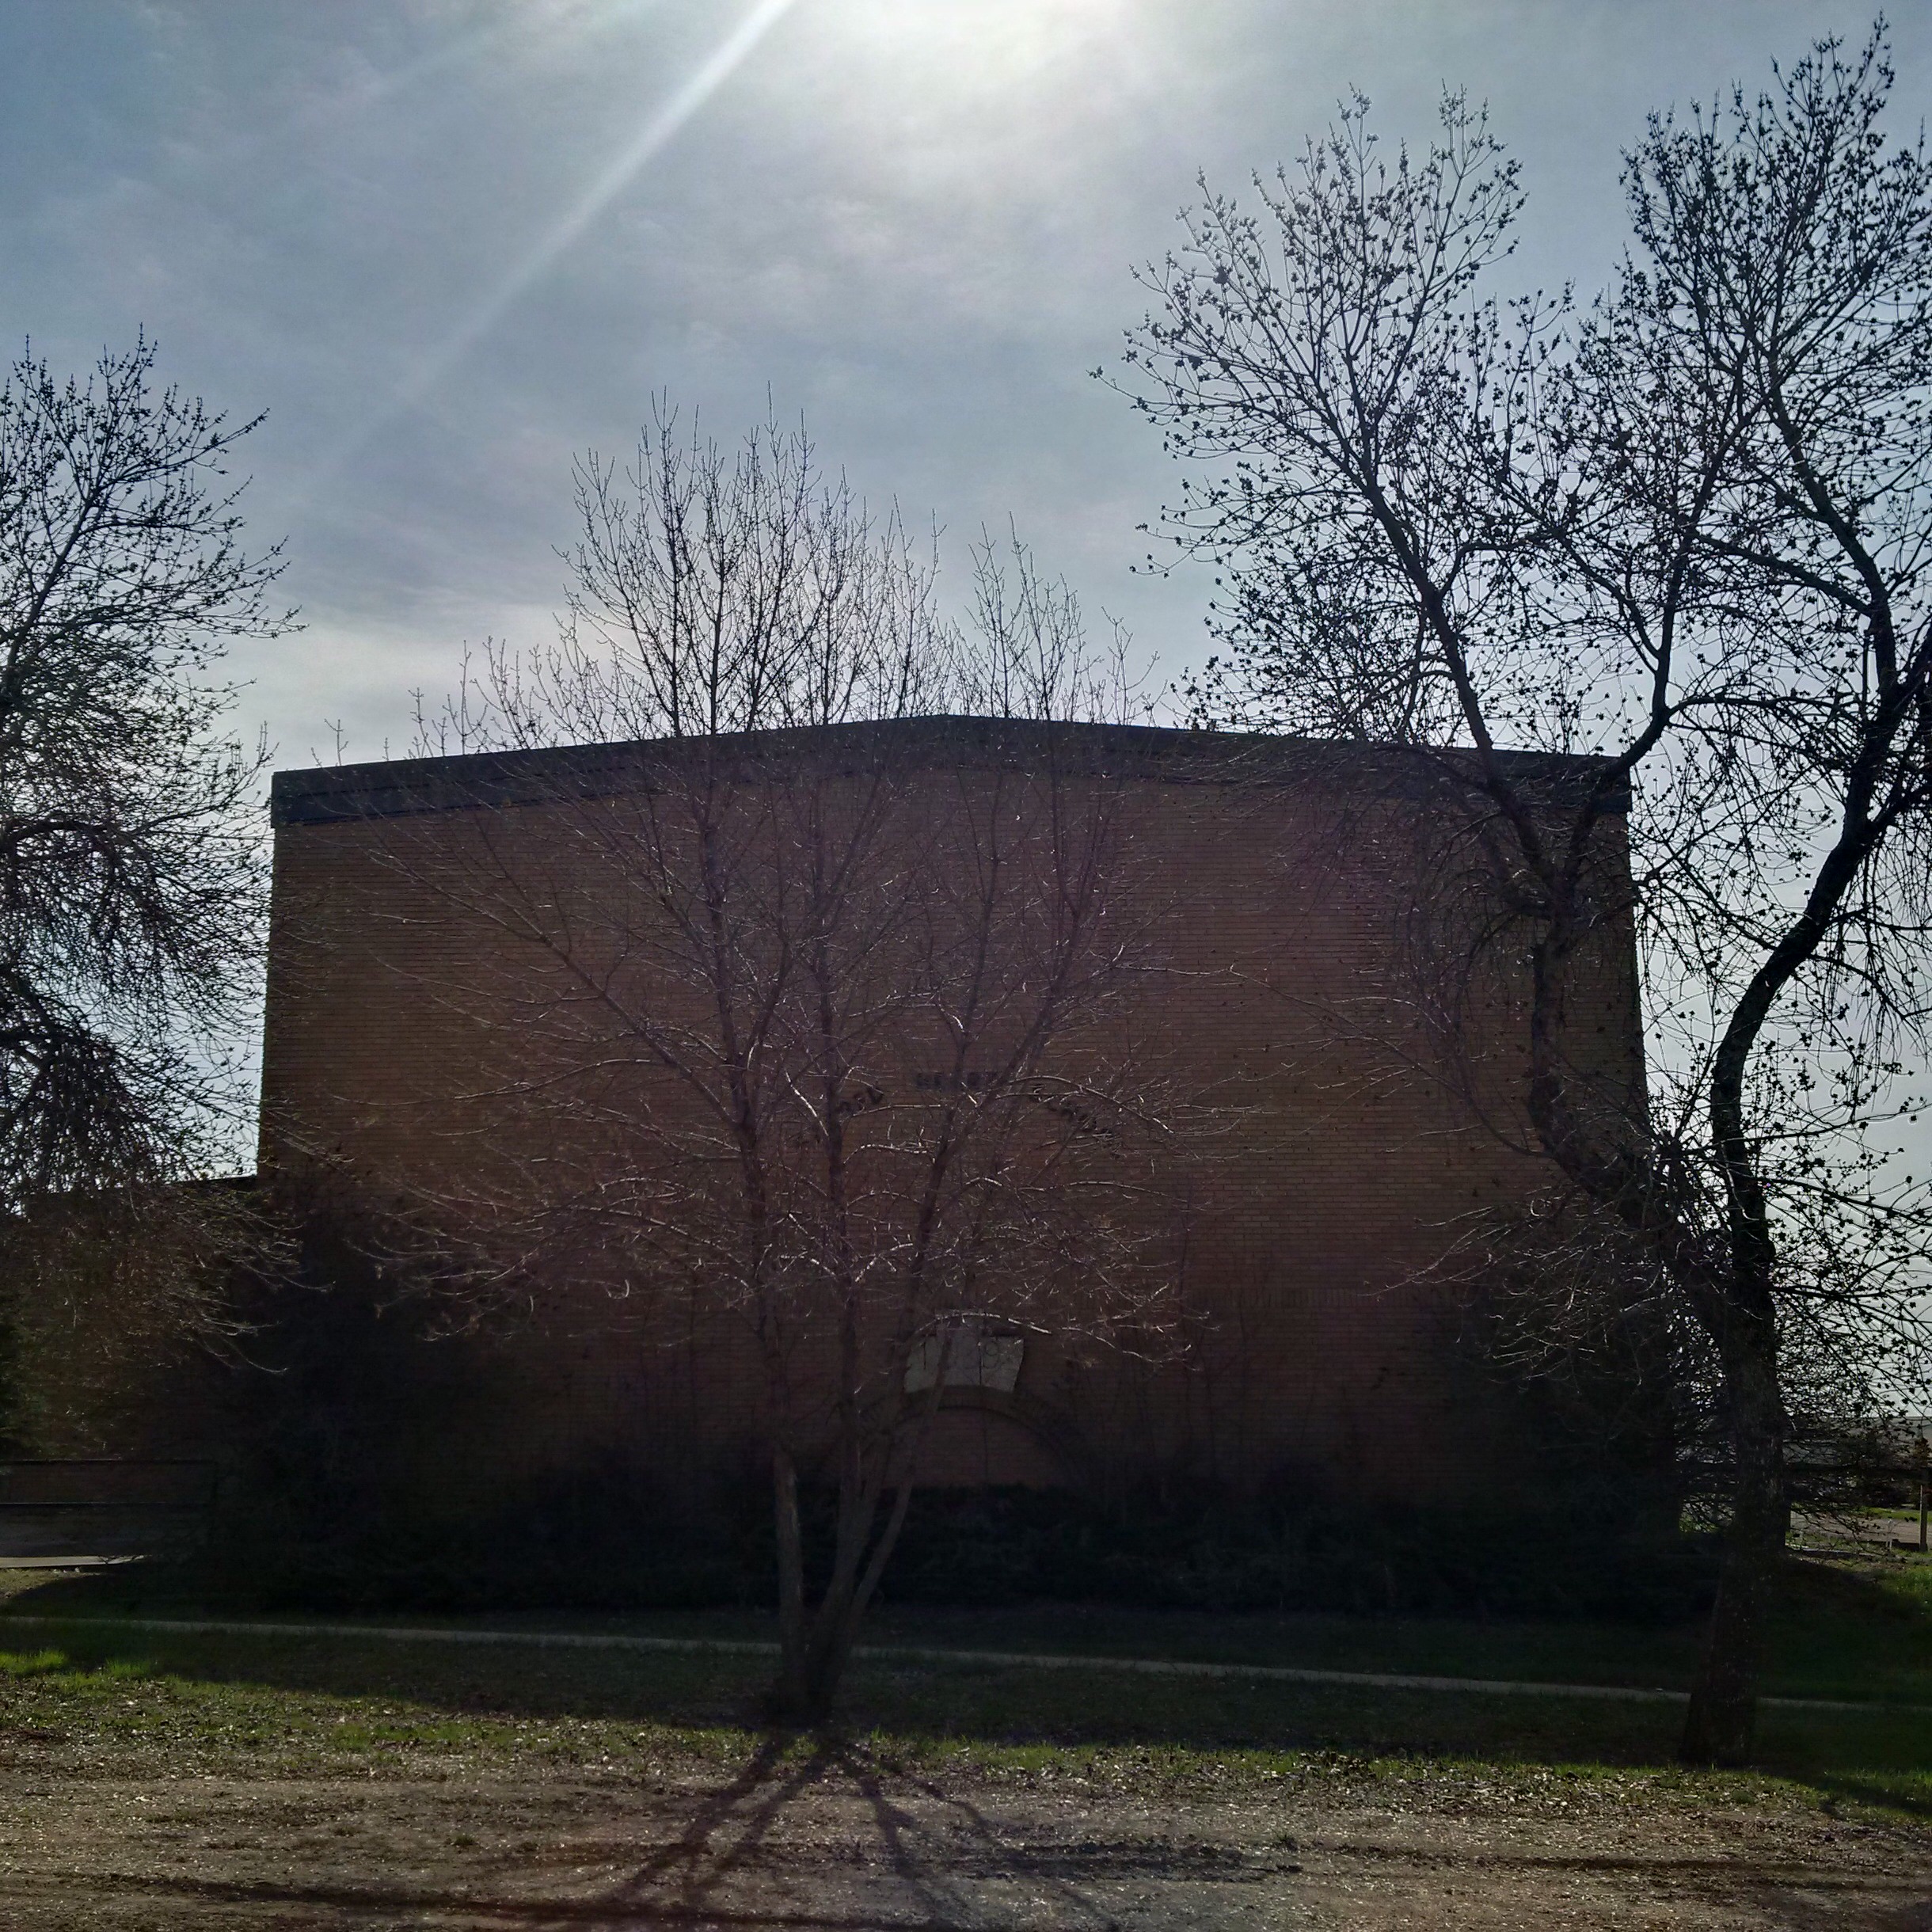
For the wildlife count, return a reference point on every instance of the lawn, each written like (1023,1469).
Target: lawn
(1854,1633)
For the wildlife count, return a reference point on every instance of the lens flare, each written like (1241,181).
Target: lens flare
(659,130)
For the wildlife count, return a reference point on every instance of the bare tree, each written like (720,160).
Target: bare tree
(1684,532)
(796,1021)
(131,878)
(130,872)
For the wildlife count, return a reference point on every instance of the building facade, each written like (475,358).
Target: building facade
(1283,983)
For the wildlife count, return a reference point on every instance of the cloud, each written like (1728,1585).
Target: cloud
(662,125)
(913,219)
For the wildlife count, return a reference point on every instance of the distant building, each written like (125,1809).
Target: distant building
(1285,880)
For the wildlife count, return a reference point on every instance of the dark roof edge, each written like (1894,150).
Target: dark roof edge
(396,788)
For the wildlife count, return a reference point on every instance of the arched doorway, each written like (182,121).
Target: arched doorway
(986,1438)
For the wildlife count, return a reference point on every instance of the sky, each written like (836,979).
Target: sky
(448,244)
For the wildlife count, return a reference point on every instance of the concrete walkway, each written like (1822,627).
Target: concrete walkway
(998,1660)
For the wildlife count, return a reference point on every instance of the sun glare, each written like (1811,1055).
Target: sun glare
(979,40)
(662,123)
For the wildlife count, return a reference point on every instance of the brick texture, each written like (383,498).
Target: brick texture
(1280,900)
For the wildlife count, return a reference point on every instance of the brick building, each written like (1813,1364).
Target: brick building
(1276,884)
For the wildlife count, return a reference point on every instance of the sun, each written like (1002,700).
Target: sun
(969,43)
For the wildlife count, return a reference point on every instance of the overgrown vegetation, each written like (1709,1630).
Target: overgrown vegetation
(600,1539)
(343,1495)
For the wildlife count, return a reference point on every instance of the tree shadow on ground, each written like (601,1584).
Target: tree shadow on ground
(933,1869)
(884,1867)
(835,1836)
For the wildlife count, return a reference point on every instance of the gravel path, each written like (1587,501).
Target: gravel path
(848,1844)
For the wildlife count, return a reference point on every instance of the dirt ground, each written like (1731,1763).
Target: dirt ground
(842,1841)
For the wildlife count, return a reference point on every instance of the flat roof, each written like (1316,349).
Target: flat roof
(395,787)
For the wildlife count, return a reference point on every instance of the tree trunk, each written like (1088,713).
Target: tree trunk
(834,1625)
(789,1695)
(816,1650)
(814,1643)
(825,1667)
(1722,1720)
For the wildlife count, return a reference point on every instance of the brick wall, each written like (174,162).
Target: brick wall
(1276,902)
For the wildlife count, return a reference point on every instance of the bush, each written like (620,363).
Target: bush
(1006,1546)
(598,1538)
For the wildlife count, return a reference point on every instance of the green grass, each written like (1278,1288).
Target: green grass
(292,1705)
(1851,1628)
